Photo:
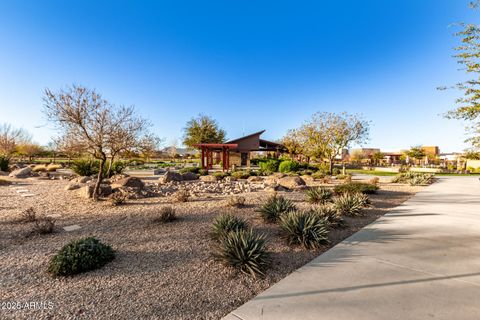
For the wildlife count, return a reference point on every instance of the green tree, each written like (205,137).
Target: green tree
(377,157)
(416,152)
(202,129)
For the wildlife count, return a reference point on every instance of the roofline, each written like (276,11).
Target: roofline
(248,136)
(216,145)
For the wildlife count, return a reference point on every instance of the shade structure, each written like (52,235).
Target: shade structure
(209,149)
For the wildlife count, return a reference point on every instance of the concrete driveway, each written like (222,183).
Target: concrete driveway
(420,261)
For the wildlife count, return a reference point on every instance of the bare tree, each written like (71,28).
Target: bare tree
(88,121)
(10,138)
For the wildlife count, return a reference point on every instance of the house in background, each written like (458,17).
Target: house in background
(237,152)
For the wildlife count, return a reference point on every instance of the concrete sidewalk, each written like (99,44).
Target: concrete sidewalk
(420,261)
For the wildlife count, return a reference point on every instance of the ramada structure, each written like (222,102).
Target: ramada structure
(237,152)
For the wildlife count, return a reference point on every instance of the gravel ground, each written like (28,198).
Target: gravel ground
(160,271)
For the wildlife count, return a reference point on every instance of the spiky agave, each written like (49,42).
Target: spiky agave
(319,195)
(225,223)
(331,215)
(274,207)
(245,251)
(304,228)
(351,204)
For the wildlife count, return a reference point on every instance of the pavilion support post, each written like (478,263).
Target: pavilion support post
(203,158)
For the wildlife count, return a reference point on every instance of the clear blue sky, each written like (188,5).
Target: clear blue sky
(252,65)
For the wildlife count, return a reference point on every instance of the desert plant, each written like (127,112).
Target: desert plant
(167,214)
(53,167)
(274,207)
(319,195)
(245,251)
(287,166)
(236,201)
(39,168)
(29,215)
(118,198)
(241,174)
(351,204)
(336,171)
(220,175)
(346,177)
(331,215)
(80,256)
(270,165)
(304,228)
(375,181)
(85,167)
(225,223)
(182,195)
(44,225)
(4,163)
(318,175)
(355,187)
(414,178)
(195,170)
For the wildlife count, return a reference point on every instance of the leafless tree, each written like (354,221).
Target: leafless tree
(10,138)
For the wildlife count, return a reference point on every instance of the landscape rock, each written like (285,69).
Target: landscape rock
(84,179)
(208,178)
(290,182)
(21,173)
(73,186)
(170,176)
(254,179)
(130,182)
(187,176)
(87,191)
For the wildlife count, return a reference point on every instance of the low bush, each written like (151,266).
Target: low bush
(44,225)
(274,207)
(4,163)
(203,172)
(347,177)
(336,171)
(318,175)
(319,195)
(117,168)
(414,178)
(166,214)
(181,196)
(270,165)
(80,256)
(241,174)
(331,215)
(287,166)
(355,187)
(28,215)
(225,223)
(236,201)
(306,172)
(375,181)
(304,228)
(53,167)
(39,168)
(245,251)
(85,167)
(220,175)
(195,170)
(351,204)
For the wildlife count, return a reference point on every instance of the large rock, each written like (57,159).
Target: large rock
(21,173)
(130,182)
(187,176)
(84,179)
(170,176)
(87,191)
(73,186)
(255,179)
(208,178)
(291,182)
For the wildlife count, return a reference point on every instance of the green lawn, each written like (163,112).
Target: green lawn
(371,172)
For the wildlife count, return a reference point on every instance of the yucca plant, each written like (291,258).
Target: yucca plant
(319,195)
(167,214)
(331,215)
(274,207)
(304,228)
(225,223)
(245,251)
(351,204)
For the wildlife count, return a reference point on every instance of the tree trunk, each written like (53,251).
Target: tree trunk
(109,170)
(96,189)
(331,165)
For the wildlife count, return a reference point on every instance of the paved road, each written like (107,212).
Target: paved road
(420,261)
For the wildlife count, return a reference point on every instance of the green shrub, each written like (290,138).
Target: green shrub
(167,214)
(414,178)
(195,170)
(355,187)
(344,177)
(241,174)
(318,175)
(85,167)
(336,171)
(304,228)
(274,207)
(245,251)
(288,166)
(331,215)
(270,165)
(225,223)
(351,204)
(80,256)
(319,195)
(306,172)
(117,167)
(203,172)
(220,175)
(4,163)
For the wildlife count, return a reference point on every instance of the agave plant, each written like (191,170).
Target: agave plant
(319,195)
(351,204)
(331,215)
(304,228)
(274,207)
(225,223)
(245,251)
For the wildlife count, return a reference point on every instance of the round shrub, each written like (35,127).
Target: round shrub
(319,195)
(274,207)
(245,251)
(85,167)
(225,223)
(351,204)
(288,166)
(4,163)
(304,228)
(80,256)
(241,174)
(195,170)
(270,165)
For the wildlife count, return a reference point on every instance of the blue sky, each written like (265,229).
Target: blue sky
(251,65)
